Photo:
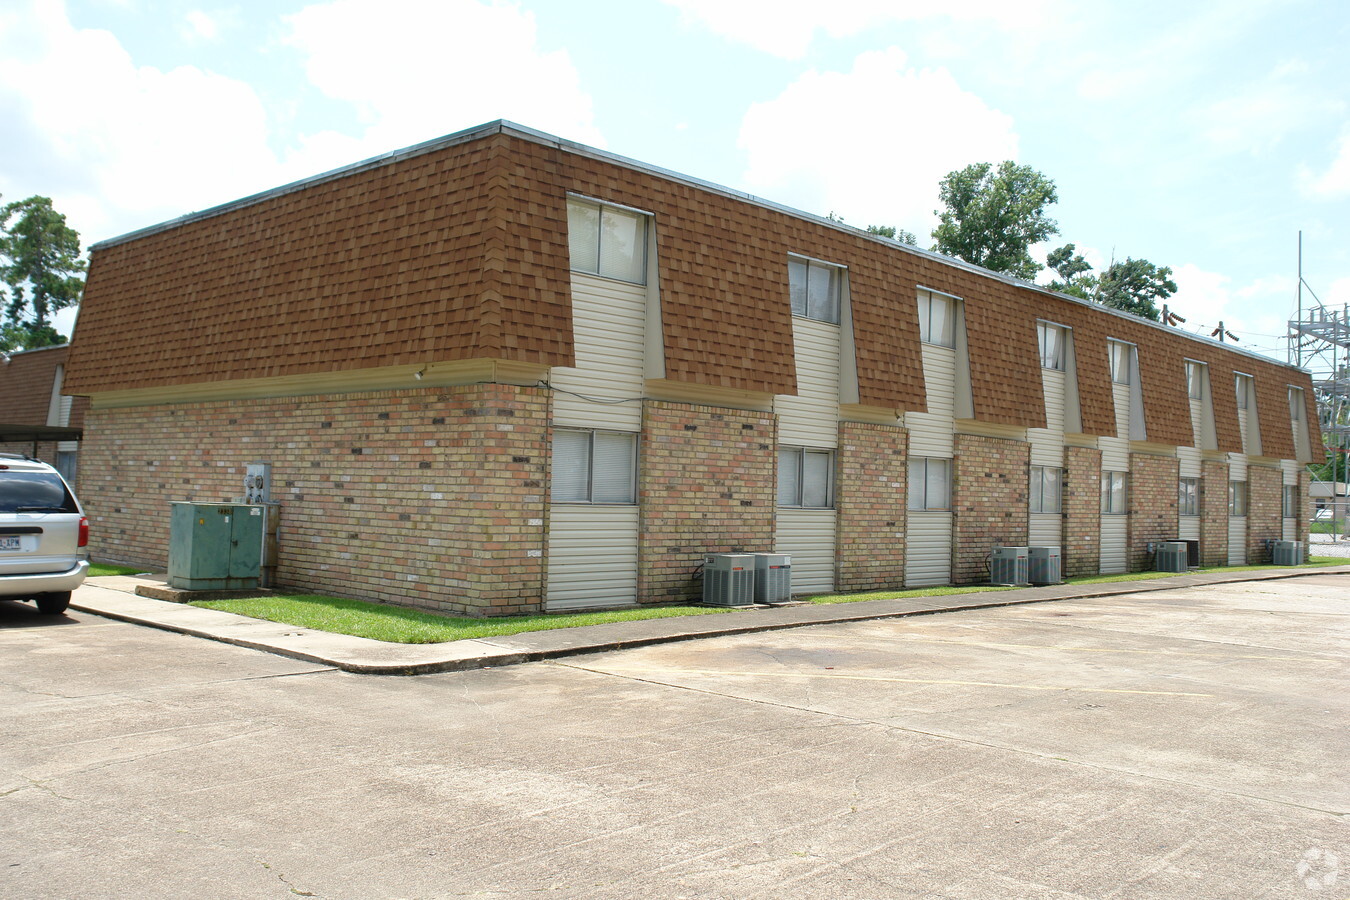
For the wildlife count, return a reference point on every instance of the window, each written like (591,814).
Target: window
(1189,500)
(1237,498)
(937,319)
(815,288)
(1052,339)
(805,477)
(606,240)
(1115,489)
(1046,488)
(1291,501)
(1195,379)
(594,466)
(1120,353)
(930,483)
(1243,385)
(1296,406)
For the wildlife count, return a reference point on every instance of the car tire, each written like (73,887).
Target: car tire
(53,604)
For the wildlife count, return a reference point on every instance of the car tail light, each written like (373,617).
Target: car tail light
(84,531)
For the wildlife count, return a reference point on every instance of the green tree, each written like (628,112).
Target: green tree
(895,234)
(1134,286)
(992,217)
(41,268)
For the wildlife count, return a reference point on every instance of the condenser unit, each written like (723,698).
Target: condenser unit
(773,577)
(1173,556)
(1009,566)
(1287,553)
(1044,567)
(729,579)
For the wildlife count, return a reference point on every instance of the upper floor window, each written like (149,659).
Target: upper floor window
(607,240)
(937,319)
(815,288)
(1189,499)
(1052,339)
(1046,488)
(1243,385)
(805,477)
(1115,493)
(1120,354)
(1296,407)
(930,483)
(594,466)
(1195,379)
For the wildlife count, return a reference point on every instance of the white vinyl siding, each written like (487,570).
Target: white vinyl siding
(592,547)
(1290,469)
(1245,389)
(811,418)
(592,556)
(1188,466)
(1045,529)
(1237,518)
(808,536)
(1047,449)
(1115,521)
(928,549)
(928,533)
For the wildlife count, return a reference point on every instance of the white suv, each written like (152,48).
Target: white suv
(43,535)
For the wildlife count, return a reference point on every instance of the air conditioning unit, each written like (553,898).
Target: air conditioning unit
(1009,566)
(1287,553)
(773,577)
(1044,567)
(1173,556)
(729,579)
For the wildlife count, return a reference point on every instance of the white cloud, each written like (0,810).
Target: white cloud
(1335,181)
(1258,311)
(418,69)
(786,28)
(200,24)
(871,144)
(118,145)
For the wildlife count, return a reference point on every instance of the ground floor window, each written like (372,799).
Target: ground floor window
(1115,493)
(1189,499)
(930,483)
(1046,488)
(805,477)
(1291,501)
(594,466)
(1237,498)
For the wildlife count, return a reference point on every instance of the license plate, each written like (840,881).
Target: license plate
(9,543)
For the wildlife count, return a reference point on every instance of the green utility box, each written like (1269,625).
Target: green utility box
(215,546)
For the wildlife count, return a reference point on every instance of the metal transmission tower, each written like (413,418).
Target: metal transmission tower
(1319,340)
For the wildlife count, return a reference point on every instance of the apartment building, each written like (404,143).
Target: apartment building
(500,372)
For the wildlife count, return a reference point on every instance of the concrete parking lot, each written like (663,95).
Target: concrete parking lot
(1188,743)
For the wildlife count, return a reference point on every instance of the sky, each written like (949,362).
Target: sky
(1203,136)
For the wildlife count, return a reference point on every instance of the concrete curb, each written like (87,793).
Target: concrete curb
(115,598)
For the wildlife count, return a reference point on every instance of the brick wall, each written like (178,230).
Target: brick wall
(871,499)
(46,450)
(1153,506)
(1213,513)
(1265,516)
(989,502)
(432,497)
(707,484)
(1082,511)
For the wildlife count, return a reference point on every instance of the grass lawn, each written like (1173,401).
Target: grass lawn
(98,570)
(409,626)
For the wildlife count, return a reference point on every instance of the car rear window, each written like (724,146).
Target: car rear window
(34,492)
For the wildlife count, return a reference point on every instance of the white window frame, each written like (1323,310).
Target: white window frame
(1119,355)
(1115,493)
(1052,357)
(1242,387)
(1041,478)
(1289,501)
(1238,499)
(599,268)
(1195,379)
(928,300)
(921,497)
(1188,495)
(589,499)
(796,458)
(802,274)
